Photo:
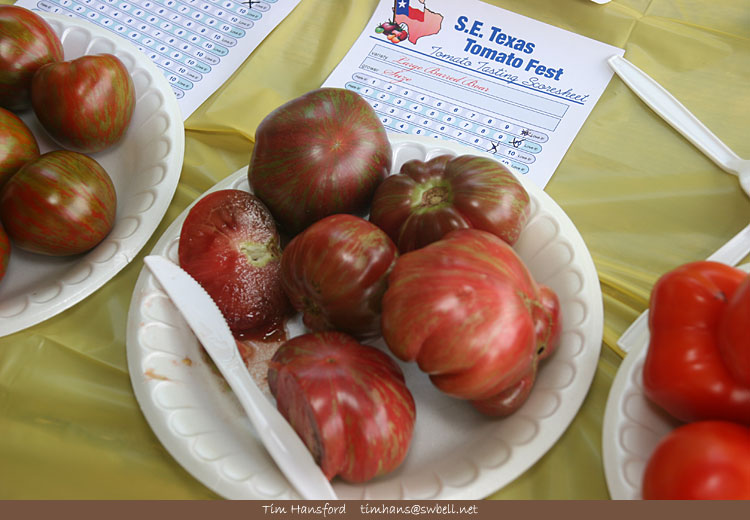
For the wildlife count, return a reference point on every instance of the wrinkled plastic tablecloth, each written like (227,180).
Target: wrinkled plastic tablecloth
(643,198)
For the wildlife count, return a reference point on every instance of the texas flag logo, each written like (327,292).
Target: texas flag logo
(412,20)
(413,9)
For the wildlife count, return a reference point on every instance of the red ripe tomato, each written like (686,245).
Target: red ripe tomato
(26,43)
(62,203)
(347,401)
(4,251)
(705,460)
(17,145)
(734,335)
(229,244)
(335,273)
(426,200)
(468,311)
(85,104)
(320,154)
(696,366)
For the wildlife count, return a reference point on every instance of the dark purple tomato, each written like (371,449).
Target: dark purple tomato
(335,273)
(426,200)
(320,154)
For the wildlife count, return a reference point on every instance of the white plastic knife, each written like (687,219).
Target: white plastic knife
(205,319)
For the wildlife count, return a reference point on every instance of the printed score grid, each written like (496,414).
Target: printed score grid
(439,109)
(186,39)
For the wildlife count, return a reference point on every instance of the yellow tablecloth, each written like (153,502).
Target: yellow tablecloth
(643,198)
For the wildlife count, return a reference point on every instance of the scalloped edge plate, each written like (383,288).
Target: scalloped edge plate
(633,426)
(455,453)
(145,168)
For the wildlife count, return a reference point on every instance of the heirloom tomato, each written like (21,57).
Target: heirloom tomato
(26,43)
(84,104)
(320,154)
(704,460)
(347,401)
(468,311)
(229,244)
(4,251)
(734,335)
(335,273)
(62,203)
(698,360)
(426,200)
(17,145)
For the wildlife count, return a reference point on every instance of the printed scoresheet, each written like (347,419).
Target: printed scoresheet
(480,75)
(198,44)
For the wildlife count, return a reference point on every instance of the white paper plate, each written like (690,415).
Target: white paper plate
(145,168)
(633,426)
(455,454)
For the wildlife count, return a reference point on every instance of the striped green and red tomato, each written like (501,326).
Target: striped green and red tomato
(26,43)
(347,401)
(84,104)
(62,203)
(335,273)
(426,200)
(468,312)
(17,145)
(319,154)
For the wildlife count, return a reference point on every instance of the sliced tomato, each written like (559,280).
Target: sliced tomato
(347,401)
(230,245)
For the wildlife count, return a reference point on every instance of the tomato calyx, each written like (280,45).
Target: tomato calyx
(313,314)
(432,196)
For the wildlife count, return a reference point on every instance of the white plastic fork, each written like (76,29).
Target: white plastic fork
(675,113)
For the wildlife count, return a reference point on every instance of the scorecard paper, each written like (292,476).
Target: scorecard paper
(479,75)
(197,44)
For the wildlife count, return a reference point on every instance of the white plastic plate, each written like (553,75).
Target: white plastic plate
(456,453)
(145,168)
(633,426)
